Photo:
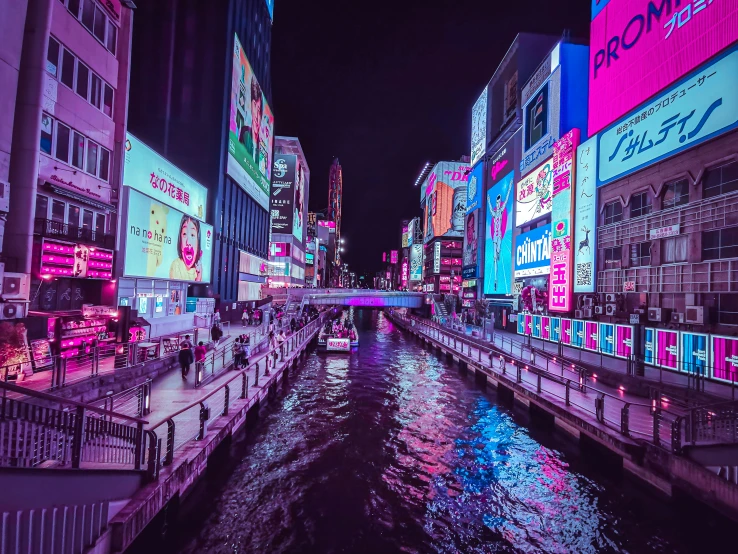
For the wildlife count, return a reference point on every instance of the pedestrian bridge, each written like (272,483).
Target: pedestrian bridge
(362,298)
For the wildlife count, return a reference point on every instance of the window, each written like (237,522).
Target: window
(83,80)
(63,135)
(640,204)
(73,7)
(104,163)
(640,254)
(96,91)
(613,257)
(613,212)
(42,206)
(100,23)
(52,57)
(47,132)
(94,18)
(108,101)
(87,217)
(73,215)
(112,38)
(722,308)
(676,194)
(100,224)
(92,150)
(674,250)
(721,244)
(78,151)
(67,76)
(720,180)
(88,14)
(57,211)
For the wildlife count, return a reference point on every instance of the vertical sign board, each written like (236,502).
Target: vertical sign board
(545,327)
(607,338)
(694,348)
(564,169)
(521,324)
(536,332)
(667,349)
(566,336)
(528,324)
(724,356)
(437,257)
(591,335)
(479,128)
(623,341)
(577,333)
(649,346)
(585,218)
(555,333)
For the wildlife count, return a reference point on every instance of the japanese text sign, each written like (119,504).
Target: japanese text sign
(585,220)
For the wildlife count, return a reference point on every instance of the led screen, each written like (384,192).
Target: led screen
(498,237)
(444,198)
(283,195)
(694,349)
(533,252)
(534,194)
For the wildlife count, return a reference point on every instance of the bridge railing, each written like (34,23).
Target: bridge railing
(570,383)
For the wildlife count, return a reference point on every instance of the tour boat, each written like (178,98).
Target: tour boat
(332,343)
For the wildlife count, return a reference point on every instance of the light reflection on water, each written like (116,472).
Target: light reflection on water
(391,450)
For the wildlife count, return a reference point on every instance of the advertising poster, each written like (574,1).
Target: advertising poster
(667,349)
(498,237)
(607,338)
(416,262)
(585,217)
(623,341)
(164,243)
(503,161)
(444,195)
(560,288)
(475,189)
(393,256)
(411,233)
(535,194)
(149,173)
(545,327)
(250,132)
(479,128)
(471,245)
(533,252)
(649,346)
(528,323)
(541,122)
(521,325)
(591,335)
(691,112)
(577,333)
(627,35)
(282,196)
(555,333)
(566,331)
(298,216)
(694,348)
(536,330)
(724,356)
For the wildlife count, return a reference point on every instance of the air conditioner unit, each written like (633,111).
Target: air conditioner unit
(610,298)
(695,314)
(587,312)
(4,196)
(599,310)
(610,309)
(677,317)
(15,286)
(588,301)
(578,314)
(12,310)
(655,314)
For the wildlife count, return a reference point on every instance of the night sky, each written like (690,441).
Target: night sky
(386,86)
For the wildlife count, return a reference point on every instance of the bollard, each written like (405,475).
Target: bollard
(204,417)
(244,385)
(256,376)
(226,400)
(538,388)
(567,400)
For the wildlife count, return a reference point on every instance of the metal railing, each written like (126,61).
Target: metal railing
(716,424)
(191,422)
(60,230)
(44,429)
(569,383)
(133,402)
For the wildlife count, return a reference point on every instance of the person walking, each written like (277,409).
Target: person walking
(200,352)
(185,356)
(237,353)
(246,352)
(244,318)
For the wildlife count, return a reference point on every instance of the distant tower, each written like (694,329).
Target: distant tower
(335,199)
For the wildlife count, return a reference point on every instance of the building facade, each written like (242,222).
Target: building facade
(335,202)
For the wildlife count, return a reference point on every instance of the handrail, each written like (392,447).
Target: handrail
(236,375)
(51,398)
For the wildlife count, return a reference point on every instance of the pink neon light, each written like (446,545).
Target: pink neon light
(700,30)
(57,260)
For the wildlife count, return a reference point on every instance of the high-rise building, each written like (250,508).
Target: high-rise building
(335,200)
(69,124)
(193,102)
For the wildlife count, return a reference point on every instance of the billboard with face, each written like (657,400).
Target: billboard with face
(250,132)
(470,256)
(298,215)
(444,198)
(163,243)
(498,237)
(535,194)
(628,35)
(282,197)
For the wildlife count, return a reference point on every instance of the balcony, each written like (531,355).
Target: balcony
(63,231)
(703,215)
(714,276)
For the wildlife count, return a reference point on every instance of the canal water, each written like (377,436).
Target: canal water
(392,449)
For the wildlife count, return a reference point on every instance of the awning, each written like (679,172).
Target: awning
(83,199)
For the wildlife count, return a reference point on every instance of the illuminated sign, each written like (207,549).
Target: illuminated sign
(250,131)
(282,193)
(560,287)
(475,189)
(695,350)
(724,356)
(148,172)
(338,345)
(479,128)
(585,217)
(393,256)
(470,253)
(80,261)
(437,257)
(664,232)
(404,271)
(444,195)
(541,123)
(498,237)
(270,8)
(533,252)
(163,243)
(623,341)
(534,194)
(626,36)
(416,262)
(697,109)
